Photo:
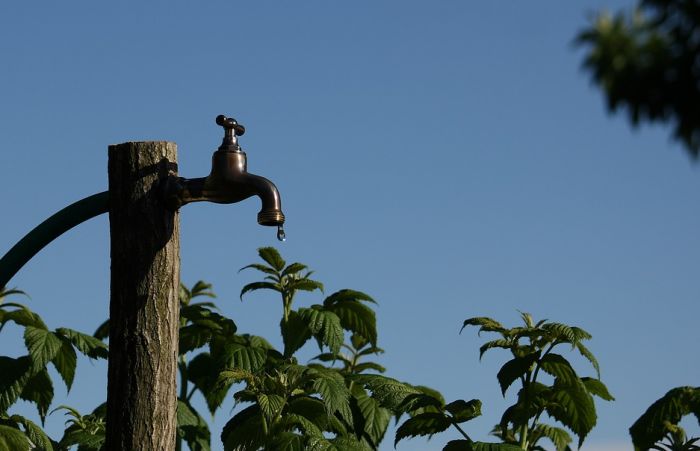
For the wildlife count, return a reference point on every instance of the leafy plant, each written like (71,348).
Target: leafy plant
(27,377)
(568,398)
(658,427)
(296,406)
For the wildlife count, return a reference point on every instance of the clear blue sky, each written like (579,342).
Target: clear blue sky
(449,158)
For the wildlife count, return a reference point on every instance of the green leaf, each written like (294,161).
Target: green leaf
(35,434)
(347,295)
(203,373)
(12,439)
(295,333)
(260,286)
(13,376)
(245,357)
(557,366)
(102,331)
(22,316)
(325,325)
(500,343)
(43,345)
(201,288)
(39,390)
(355,317)
(305,285)
(558,436)
(65,362)
(462,410)
(244,431)
(389,392)
(589,356)
(415,402)
(272,257)
(288,441)
(262,268)
(485,324)
(293,269)
(428,423)
(331,386)
(514,369)
(192,428)
(365,366)
(573,406)
(597,388)
(86,344)
(667,410)
(271,405)
(374,418)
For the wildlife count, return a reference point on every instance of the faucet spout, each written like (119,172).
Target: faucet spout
(229,181)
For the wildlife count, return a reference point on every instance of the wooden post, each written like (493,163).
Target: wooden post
(144,307)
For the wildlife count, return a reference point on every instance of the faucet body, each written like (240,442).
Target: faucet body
(229,181)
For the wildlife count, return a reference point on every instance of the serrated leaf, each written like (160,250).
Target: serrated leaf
(86,344)
(244,431)
(589,356)
(262,268)
(192,428)
(293,268)
(514,369)
(389,392)
(347,295)
(295,333)
(325,325)
(288,441)
(12,439)
(65,362)
(428,423)
(245,357)
(271,405)
(558,436)
(374,418)
(305,285)
(652,425)
(365,366)
(202,372)
(485,324)
(13,376)
(557,366)
(573,407)
(36,435)
(42,344)
(23,316)
(597,388)
(500,343)
(38,389)
(102,331)
(356,318)
(331,386)
(415,401)
(272,257)
(260,286)
(462,410)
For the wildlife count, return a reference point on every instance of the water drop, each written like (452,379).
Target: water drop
(280,234)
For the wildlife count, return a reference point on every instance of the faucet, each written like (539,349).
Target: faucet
(229,181)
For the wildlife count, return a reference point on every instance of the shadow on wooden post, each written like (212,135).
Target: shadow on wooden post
(144,305)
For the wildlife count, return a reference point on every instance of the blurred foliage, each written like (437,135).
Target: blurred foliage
(648,62)
(658,428)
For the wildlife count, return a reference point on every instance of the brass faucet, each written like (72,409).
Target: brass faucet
(229,181)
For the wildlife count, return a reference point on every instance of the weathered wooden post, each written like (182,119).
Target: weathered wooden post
(144,306)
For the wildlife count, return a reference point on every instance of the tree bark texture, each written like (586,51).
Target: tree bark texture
(144,306)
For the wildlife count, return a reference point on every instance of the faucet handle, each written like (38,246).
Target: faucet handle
(230,123)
